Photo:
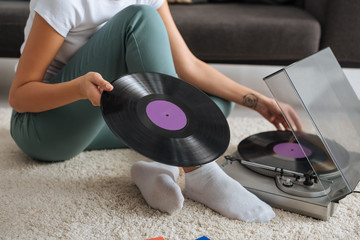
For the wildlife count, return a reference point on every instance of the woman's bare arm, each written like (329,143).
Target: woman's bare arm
(208,79)
(29,94)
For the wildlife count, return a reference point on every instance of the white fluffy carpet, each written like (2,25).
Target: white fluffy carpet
(92,197)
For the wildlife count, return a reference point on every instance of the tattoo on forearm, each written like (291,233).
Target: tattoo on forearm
(250,100)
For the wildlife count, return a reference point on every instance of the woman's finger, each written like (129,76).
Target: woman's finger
(99,81)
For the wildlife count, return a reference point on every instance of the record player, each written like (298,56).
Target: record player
(307,170)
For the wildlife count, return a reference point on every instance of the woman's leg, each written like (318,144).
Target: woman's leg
(134,40)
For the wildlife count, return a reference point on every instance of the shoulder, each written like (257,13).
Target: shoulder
(62,15)
(60,5)
(64,7)
(54,4)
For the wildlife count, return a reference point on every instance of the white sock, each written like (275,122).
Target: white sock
(211,186)
(157,184)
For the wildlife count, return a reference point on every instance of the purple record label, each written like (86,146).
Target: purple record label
(166,115)
(291,150)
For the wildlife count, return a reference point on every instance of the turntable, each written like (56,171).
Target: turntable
(306,171)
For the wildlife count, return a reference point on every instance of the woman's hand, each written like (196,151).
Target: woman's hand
(269,109)
(91,85)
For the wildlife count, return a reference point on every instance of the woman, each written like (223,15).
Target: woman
(73,48)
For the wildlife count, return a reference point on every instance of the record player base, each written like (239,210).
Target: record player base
(265,188)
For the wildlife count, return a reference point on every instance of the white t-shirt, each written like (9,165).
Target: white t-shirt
(76,21)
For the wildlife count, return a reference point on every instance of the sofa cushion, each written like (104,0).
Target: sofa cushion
(13,16)
(186,1)
(341,31)
(271,1)
(241,33)
(259,1)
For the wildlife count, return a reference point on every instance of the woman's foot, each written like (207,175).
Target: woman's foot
(211,186)
(157,184)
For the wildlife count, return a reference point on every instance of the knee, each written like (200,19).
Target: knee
(225,106)
(140,16)
(142,11)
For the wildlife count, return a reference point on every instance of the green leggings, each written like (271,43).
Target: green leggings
(134,40)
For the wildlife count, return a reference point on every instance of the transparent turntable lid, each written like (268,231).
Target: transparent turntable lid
(328,108)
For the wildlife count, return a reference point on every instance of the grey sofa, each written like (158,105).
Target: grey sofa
(241,31)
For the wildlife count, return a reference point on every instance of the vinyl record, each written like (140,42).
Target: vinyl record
(165,119)
(280,149)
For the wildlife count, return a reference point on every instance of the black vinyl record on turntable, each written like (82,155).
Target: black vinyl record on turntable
(300,167)
(280,149)
(279,155)
(165,119)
